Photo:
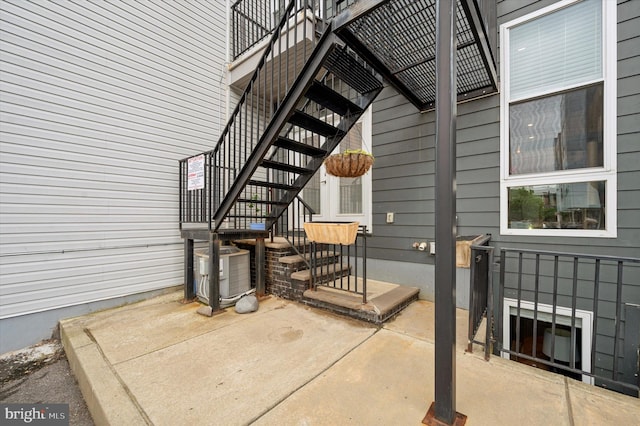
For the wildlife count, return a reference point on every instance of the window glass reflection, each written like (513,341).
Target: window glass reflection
(578,205)
(559,132)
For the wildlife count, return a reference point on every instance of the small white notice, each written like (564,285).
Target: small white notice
(195,173)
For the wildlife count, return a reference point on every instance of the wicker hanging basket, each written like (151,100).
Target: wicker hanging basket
(348,164)
(332,232)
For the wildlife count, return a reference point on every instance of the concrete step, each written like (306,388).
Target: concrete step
(297,258)
(322,272)
(384,300)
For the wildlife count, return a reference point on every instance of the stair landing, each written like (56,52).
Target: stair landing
(384,300)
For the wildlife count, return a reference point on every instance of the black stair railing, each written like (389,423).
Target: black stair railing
(254,20)
(341,266)
(290,225)
(297,107)
(263,94)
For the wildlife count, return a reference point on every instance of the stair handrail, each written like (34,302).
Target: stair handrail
(256,73)
(246,123)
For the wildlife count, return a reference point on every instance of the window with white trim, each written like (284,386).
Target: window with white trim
(558,121)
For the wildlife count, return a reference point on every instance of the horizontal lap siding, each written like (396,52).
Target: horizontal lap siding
(99,102)
(402,178)
(404,173)
(627,242)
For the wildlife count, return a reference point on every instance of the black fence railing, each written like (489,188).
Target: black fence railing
(341,267)
(576,314)
(481,293)
(254,20)
(291,227)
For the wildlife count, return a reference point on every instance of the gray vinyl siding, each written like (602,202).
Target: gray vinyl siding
(403,180)
(403,176)
(99,102)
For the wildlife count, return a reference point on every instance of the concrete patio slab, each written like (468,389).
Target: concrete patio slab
(385,381)
(160,363)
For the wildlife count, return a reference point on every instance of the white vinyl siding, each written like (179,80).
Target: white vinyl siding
(99,101)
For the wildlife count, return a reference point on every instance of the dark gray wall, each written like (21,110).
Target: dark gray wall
(403,174)
(403,179)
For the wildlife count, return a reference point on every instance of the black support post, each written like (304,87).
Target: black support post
(443,409)
(214,272)
(189,292)
(260,267)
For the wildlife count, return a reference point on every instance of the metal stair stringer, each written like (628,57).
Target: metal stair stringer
(278,121)
(315,163)
(329,55)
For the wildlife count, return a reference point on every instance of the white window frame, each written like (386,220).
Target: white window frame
(607,173)
(584,326)
(330,185)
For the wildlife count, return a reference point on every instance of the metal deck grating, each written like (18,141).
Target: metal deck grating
(400,37)
(343,64)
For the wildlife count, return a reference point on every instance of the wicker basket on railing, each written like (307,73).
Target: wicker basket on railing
(348,163)
(332,232)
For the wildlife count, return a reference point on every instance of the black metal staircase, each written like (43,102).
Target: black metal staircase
(253,182)
(286,122)
(309,124)
(313,82)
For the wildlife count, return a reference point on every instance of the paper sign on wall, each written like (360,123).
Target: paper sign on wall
(195,172)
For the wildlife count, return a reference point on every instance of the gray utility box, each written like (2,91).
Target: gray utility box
(235,276)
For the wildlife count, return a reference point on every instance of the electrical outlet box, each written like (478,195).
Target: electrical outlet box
(390,217)
(432,247)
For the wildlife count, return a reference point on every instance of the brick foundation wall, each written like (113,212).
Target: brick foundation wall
(288,288)
(278,275)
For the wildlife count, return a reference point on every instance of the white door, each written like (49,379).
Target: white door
(344,199)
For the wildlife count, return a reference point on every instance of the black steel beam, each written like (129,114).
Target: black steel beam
(357,46)
(481,35)
(443,409)
(355,12)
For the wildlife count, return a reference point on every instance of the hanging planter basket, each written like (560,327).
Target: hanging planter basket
(349,163)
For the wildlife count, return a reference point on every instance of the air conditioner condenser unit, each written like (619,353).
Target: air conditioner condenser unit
(235,275)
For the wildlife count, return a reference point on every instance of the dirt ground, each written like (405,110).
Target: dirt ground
(43,380)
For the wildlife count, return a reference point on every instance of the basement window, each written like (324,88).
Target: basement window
(544,317)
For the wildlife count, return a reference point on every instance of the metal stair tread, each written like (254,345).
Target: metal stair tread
(274,185)
(269,202)
(348,69)
(300,147)
(329,98)
(286,167)
(309,122)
